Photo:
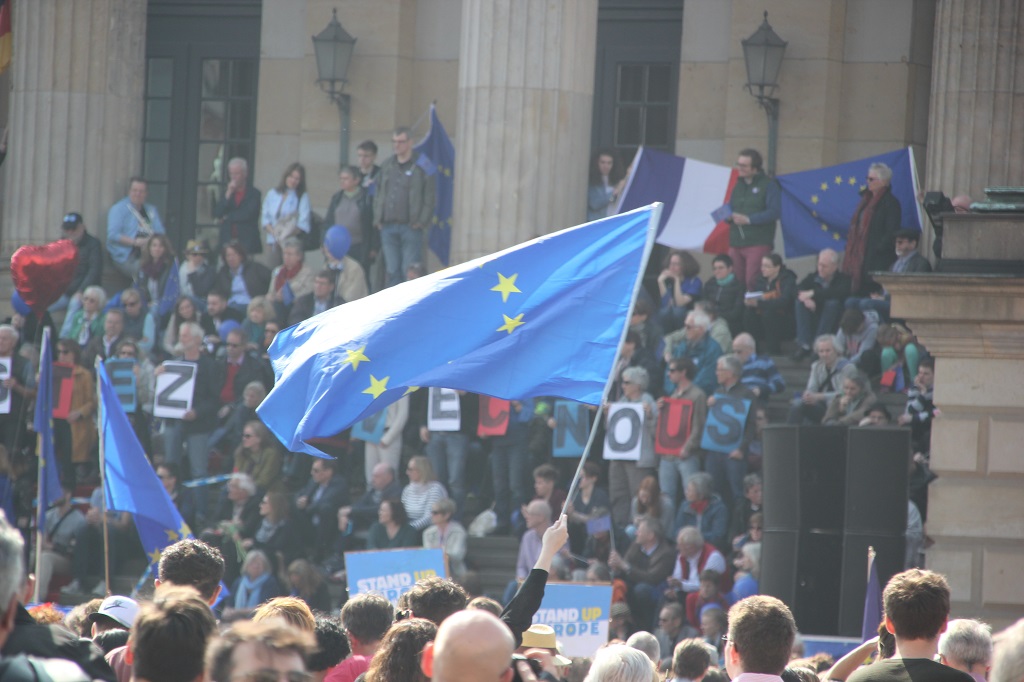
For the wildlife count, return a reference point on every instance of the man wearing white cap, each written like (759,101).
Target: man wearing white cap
(115,613)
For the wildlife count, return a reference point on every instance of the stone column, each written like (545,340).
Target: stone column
(976,132)
(75,115)
(526,85)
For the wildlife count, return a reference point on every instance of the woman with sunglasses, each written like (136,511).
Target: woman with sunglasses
(259,456)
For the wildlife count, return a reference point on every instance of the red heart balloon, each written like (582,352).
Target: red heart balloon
(42,274)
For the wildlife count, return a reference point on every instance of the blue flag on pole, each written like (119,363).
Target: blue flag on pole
(817,205)
(437,147)
(540,319)
(48,490)
(872,604)
(131,483)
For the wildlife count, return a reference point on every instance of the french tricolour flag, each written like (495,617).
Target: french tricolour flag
(690,189)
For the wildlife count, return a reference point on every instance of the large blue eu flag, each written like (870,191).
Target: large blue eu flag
(817,205)
(544,318)
(131,483)
(437,147)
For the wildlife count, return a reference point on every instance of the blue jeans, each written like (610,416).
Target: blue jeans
(510,472)
(727,474)
(811,325)
(879,305)
(198,456)
(671,470)
(447,454)
(402,246)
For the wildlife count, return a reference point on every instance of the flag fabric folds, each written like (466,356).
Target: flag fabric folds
(690,189)
(48,490)
(817,205)
(872,603)
(131,483)
(172,290)
(544,318)
(437,147)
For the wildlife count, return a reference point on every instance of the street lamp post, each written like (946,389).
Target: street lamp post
(763,52)
(333,49)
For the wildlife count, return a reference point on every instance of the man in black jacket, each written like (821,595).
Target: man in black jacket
(20,634)
(819,302)
(89,269)
(317,505)
(238,212)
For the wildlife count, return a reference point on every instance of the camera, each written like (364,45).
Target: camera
(534,664)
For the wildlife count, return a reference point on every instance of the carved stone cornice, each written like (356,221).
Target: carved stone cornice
(967,316)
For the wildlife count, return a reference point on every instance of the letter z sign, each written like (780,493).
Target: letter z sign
(174,390)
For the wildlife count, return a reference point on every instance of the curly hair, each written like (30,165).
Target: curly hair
(435,599)
(398,658)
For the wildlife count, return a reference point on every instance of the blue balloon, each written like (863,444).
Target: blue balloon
(19,304)
(226,327)
(337,240)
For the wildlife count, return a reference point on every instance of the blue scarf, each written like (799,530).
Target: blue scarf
(248,595)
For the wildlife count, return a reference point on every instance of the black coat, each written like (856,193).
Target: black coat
(241,222)
(55,641)
(255,275)
(302,309)
(89,270)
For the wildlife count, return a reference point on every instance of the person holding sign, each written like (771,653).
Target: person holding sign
(17,383)
(75,433)
(139,392)
(681,418)
(729,430)
(625,475)
(194,396)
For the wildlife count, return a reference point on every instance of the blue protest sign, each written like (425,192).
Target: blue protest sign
(392,572)
(572,425)
(122,377)
(578,613)
(727,418)
(371,429)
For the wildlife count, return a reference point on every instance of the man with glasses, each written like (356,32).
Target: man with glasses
(130,223)
(761,632)
(271,651)
(89,269)
(403,205)
(239,367)
(870,241)
(317,505)
(102,347)
(700,348)
(756,205)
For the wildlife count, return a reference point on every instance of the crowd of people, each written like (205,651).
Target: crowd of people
(437,632)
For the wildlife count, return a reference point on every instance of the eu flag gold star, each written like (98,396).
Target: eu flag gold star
(354,357)
(814,198)
(852,180)
(411,389)
(154,556)
(824,187)
(184,531)
(839,179)
(824,227)
(511,323)
(376,386)
(863,187)
(172,534)
(506,285)
(835,235)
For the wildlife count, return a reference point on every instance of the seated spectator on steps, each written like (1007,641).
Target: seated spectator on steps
(317,506)
(748,573)
(725,290)
(195,275)
(707,593)
(139,323)
(645,568)
(907,260)
(449,535)
(704,509)
(679,286)
(217,313)
(650,502)
(291,280)
(419,496)
(760,374)
(819,302)
(745,507)
(392,529)
(155,268)
(694,557)
(320,299)
(697,345)
(824,382)
(240,276)
(255,585)
(769,315)
(383,485)
(259,455)
(88,270)
(856,338)
(852,405)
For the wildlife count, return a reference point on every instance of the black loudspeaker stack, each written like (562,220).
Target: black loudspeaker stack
(830,492)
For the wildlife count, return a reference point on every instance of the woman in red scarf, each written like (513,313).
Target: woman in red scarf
(871,241)
(290,280)
(154,269)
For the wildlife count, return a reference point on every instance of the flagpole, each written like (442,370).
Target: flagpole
(100,415)
(652,232)
(871,560)
(40,483)
(917,191)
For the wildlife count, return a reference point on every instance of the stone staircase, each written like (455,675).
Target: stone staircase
(494,560)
